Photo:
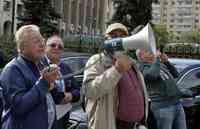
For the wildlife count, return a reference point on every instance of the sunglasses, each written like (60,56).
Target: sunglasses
(118,35)
(59,46)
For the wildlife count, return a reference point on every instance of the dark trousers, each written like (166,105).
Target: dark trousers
(62,122)
(124,125)
(151,120)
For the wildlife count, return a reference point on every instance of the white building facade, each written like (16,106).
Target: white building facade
(77,16)
(86,16)
(178,15)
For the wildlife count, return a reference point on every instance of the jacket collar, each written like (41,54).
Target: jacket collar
(25,69)
(106,60)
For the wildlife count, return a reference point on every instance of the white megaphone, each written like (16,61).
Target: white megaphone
(144,39)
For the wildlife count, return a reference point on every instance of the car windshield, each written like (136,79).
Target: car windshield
(76,63)
(75,60)
(189,78)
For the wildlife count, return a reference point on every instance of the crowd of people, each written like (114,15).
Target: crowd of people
(120,92)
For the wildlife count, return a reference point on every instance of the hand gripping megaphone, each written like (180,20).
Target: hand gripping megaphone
(144,39)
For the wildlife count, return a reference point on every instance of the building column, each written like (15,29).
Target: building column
(68,15)
(77,14)
(104,18)
(97,15)
(84,14)
(91,16)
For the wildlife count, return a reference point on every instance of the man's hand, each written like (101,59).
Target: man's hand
(51,86)
(67,98)
(123,62)
(50,74)
(147,56)
(163,58)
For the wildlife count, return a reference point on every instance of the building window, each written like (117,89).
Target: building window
(172,14)
(180,2)
(6,5)
(19,9)
(180,20)
(188,2)
(187,26)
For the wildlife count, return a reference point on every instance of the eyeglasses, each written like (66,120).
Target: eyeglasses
(59,46)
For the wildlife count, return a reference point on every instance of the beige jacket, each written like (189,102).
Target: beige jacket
(100,88)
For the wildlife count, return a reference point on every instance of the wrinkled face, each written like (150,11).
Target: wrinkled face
(33,46)
(54,48)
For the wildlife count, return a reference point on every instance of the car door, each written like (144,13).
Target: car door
(190,80)
(77,64)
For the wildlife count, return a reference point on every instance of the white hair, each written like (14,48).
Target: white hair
(23,33)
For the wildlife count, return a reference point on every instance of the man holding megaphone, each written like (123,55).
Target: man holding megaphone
(116,96)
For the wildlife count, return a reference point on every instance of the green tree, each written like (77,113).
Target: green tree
(161,35)
(8,47)
(132,12)
(173,38)
(41,13)
(190,37)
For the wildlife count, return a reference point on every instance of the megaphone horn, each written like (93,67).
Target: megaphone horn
(144,39)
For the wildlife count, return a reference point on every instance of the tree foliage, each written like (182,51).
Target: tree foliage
(41,13)
(8,47)
(132,12)
(190,37)
(161,35)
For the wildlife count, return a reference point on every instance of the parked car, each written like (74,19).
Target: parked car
(181,63)
(189,79)
(76,61)
(1,105)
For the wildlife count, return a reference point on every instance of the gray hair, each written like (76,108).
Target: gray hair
(52,37)
(22,34)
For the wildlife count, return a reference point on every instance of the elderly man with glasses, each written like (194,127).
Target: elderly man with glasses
(28,103)
(66,90)
(114,88)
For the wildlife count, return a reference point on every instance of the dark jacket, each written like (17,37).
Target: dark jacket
(71,84)
(161,84)
(24,96)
